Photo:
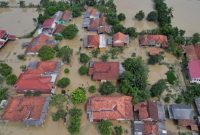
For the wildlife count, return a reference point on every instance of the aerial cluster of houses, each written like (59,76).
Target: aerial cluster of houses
(5,37)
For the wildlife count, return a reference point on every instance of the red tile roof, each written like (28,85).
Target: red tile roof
(93,41)
(192,51)
(66,15)
(38,42)
(21,108)
(150,128)
(92,11)
(33,79)
(2,32)
(146,40)
(194,68)
(119,39)
(110,107)
(59,28)
(48,23)
(188,123)
(104,71)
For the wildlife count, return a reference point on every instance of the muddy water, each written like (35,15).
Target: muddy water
(27,2)
(17,21)
(186,15)
(130,8)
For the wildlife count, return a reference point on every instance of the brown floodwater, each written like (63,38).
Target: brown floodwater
(18,21)
(130,8)
(186,15)
(27,2)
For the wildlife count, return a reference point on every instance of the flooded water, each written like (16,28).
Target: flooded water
(27,2)
(18,21)
(130,8)
(186,15)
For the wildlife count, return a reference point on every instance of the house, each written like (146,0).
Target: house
(48,26)
(149,128)
(109,107)
(4,37)
(183,114)
(38,42)
(94,41)
(197,103)
(194,71)
(150,111)
(119,40)
(153,40)
(66,17)
(192,52)
(91,13)
(57,16)
(101,71)
(29,110)
(153,51)
(39,77)
(59,29)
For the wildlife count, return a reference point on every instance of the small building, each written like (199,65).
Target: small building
(150,111)
(29,110)
(66,17)
(194,71)
(38,42)
(94,41)
(192,52)
(4,37)
(197,103)
(183,114)
(59,29)
(48,26)
(109,108)
(153,40)
(39,77)
(104,71)
(119,40)
(91,13)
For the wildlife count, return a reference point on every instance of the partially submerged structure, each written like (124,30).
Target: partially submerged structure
(5,37)
(95,41)
(119,40)
(109,107)
(29,110)
(39,77)
(194,71)
(192,52)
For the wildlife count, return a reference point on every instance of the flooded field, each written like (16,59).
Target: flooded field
(130,8)
(18,21)
(186,15)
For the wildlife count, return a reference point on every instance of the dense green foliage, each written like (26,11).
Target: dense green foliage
(195,38)
(58,37)
(65,53)
(152,16)
(11,79)
(179,99)
(131,31)
(63,82)
(21,57)
(76,10)
(74,121)
(107,88)
(84,58)
(118,130)
(66,70)
(153,59)
(1,80)
(58,100)
(46,53)
(95,52)
(140,15)
(158,88)
(171,78)
(78,96)
(5,69)
(83,70)
(3,94)
(105,127)
(115,51)
(191,93)
(70,31)
(92,89)
(59,114)
(121,17)
(104,57)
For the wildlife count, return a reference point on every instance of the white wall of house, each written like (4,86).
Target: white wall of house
(195,80)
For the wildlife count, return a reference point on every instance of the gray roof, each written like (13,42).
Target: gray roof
(197,102)
(32,65)
(138,128)
(180,112)
(161,128)
(161,111)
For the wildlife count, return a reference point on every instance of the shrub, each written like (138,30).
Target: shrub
(21,57)
(118,130)
(46,53)
(78,96)
(140,15)
(65,53)
(104,57)
(131,31)
(66,70)
(83,70)
(167,99)
(92,89)
(155,59)
(152,16)
(5,69)
(84,58)
(70,31)
(171,78)
(3,94)
(107,88)
(23,68)
(64,82)
(95,52)
(121,17)
(75,118)
(11,79)
(60,114)
(58,37)
(158,88)
(180,99)
(105,127)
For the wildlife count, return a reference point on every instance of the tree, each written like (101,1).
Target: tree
(5,69)
(153,59)
(192,92)
(58,37)
(152,16)
(11,79)
(104,57)
(3,94)
(180,99)
(140,15)
(95,52)
(21,57)
(112,19)
(158,88)
(64,82)
(58,100)
(105,127)
(41,18)
(83,70)
(131,31)
(66,70)
(65,53)
(107,88)
(171,78)
(84,58)
(46,53)
(78,96)
(118,130)
(60,114)
(115,51)
(121,17)
(195,38)
(50,10)
(70,31)
(76,10)
(118,28)
(92,89)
